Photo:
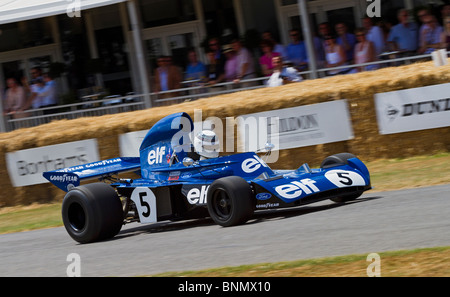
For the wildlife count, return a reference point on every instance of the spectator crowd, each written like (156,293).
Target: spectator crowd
(40,92)
(334,46)
(230,61)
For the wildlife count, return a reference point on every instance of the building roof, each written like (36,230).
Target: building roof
(20,10)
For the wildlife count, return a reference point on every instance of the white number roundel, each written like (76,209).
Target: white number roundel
(145,202)
(344,178)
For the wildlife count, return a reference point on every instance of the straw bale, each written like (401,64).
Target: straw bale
(359,89)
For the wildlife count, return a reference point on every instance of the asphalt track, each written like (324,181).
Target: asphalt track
(376,222)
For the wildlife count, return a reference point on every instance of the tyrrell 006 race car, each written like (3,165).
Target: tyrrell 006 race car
(180,178)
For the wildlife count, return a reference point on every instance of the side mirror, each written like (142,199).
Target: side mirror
(188,161)
(269,146)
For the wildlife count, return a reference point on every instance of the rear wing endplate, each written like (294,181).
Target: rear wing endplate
(70,177)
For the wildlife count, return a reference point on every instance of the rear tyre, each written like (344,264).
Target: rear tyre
(92,212)
(230,201)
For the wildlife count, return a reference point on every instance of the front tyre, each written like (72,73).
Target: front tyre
(92,212)
(230,201)
(346,198)
(336,160)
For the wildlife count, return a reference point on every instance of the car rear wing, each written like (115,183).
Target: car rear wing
(70,177)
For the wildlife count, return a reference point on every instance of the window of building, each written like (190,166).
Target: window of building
(220,18)
(75,50)
(290,2)
(165,12)
(345,15)
(25,34)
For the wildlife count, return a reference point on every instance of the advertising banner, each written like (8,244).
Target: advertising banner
(130,142)
(25,167)
(297,126)
(413,109)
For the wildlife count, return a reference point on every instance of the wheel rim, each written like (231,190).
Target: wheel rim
(221,203)
(76,216)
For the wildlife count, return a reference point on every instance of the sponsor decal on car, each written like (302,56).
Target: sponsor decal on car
(186,175)
(156,156)
(64,178)
(174,175)
(263,196)
(268,205)
(252,164)
(197,195)
(296,189)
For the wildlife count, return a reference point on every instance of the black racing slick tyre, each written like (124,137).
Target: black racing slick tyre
(92,212)
(336,160)
(342,199)
(230,201)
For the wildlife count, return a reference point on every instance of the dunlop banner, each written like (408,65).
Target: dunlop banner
(413,109)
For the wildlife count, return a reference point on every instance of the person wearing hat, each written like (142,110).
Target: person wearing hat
(230,63)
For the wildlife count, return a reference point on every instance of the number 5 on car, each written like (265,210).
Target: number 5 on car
(145,202)
(344,178)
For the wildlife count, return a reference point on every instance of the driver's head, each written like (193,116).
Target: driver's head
(206,144)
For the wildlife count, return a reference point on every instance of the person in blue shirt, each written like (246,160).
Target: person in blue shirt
(48,92)
(196,70)
(405,35)
(430,38)
(346,40)
(296,51)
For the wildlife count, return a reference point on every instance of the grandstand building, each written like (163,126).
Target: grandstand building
(113,44)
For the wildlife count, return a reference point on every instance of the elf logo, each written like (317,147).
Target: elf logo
(296,188)
(156,156)
(197,196)
(252,164)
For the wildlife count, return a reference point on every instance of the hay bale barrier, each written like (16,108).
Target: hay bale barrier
(359,89)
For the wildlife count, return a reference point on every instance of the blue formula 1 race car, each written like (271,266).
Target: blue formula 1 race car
(184,179)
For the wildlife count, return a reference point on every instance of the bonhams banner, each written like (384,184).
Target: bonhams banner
(25,167)
(413,109)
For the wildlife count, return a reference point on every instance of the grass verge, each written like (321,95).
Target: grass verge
(430,262)
(32,217)
(421,171)
(386,175)
(391,174)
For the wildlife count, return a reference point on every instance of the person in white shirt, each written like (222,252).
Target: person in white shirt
(282,75)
